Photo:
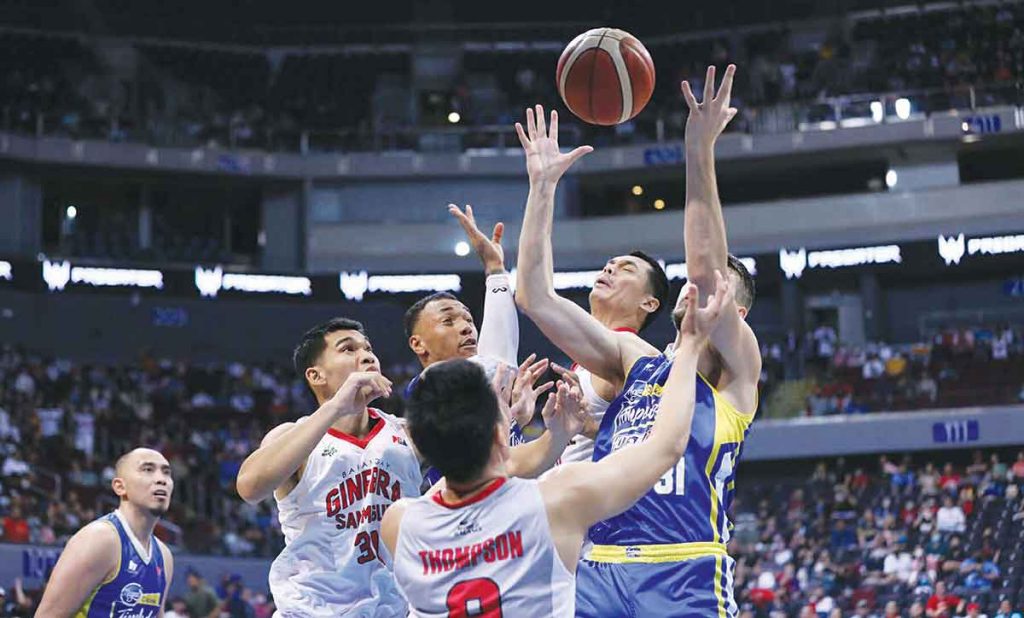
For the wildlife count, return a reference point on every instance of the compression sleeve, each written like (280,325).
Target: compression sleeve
(499,333)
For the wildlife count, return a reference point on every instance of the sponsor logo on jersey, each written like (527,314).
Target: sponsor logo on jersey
(505,546)
(344,503)
(329,451)
(131,594)
(398,440)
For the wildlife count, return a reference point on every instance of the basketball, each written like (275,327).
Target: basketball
(605,76)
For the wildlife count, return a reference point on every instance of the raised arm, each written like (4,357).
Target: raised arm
(707,248)
(562,321)
(286,447)
(89,559)
(579,495)
(499,332)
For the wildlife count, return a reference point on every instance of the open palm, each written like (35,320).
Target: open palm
(544,161)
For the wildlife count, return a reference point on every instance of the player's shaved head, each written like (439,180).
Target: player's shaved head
(128,460)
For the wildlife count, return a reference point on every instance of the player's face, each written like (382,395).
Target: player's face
(680,309)
(145,481)
(444,331)
(346,352)
(622,282)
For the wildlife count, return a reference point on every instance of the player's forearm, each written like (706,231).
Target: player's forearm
(271,465)
(532,459)
(499,333)
(535,264)
(670,432)
(707,248)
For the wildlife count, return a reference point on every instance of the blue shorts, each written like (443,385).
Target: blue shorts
(685,589)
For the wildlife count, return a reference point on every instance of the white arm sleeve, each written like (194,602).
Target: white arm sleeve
(499,333)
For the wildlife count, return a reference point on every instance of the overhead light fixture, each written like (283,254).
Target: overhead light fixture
(454,117)
(659,204)
(891,178)
(71,212)
(638,190)
(903,108)
(462,248)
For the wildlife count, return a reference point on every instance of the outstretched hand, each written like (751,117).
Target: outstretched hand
(524,394)
(699,322)
(545,163)
(709,118)
(565,411)
(489,250)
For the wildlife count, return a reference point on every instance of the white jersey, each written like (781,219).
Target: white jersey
(489,555)
(331,523)
(581,448)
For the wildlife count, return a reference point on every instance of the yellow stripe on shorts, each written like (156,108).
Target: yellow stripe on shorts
(649,554)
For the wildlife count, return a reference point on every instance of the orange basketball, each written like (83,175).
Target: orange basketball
(605,76)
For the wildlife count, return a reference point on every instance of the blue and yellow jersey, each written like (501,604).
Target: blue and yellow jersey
(690,502)
(137,587)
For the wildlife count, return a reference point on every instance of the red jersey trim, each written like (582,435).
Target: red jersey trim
(494,486)
(360,442)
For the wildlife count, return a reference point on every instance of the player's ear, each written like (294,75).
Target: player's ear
(743,312)
(650,304)
(118,486)
(315,377)
(416,345)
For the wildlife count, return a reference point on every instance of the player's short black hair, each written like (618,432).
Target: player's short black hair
(657,282)
(451,416)
(312,344)
(747,289)
(412,315)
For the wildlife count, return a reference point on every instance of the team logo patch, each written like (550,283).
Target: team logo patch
(131,594)
(329,451)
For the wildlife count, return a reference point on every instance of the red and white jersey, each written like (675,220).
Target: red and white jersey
(330,565)
(581,448)
(491,554)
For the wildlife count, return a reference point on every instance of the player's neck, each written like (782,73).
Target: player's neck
(141,521)
(614,319)
(356,425)
(460,492)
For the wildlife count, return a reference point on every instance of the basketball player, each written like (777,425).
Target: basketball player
(335,472)
(115,566)
(440,327)
(627,296)
(488,545)
(666,554)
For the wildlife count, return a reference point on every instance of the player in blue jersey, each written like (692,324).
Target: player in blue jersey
(115,566)
(665,556)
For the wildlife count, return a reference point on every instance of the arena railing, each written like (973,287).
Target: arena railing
(664,124)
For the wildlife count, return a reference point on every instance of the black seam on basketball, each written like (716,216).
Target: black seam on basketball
(590,82)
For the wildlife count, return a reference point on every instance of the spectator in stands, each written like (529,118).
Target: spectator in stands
(200,600)
(1006,610)
(1018,467)
(16,528)
(981,573)
(928,480)
(974,611)
(950,480)
(178,609)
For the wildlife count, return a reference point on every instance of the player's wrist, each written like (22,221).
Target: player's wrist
(494,268)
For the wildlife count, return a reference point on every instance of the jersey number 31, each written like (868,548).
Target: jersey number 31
(673,481)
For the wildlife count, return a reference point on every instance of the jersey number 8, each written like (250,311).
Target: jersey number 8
(475,597)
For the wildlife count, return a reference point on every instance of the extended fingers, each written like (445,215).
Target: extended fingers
(542,125)
(725,92)
(525,141)
(691,101)
(709,85)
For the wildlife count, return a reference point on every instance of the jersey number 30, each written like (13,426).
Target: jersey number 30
(475,597)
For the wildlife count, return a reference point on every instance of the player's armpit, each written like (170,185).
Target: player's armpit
(90,558)
(737,346)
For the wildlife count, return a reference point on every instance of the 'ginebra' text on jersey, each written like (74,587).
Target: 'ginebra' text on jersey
(344,503)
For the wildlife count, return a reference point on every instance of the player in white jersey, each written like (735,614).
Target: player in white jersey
(487,545)
(335,472)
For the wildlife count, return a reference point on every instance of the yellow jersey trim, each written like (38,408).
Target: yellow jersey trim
(648,554)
